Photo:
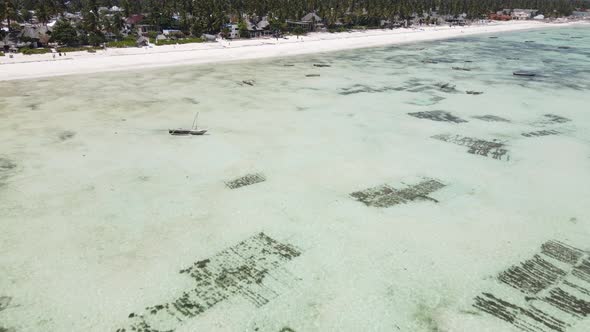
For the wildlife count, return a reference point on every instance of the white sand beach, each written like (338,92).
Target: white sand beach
(44,65)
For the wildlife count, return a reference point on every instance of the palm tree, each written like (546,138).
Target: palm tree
(9,13)
(42,13)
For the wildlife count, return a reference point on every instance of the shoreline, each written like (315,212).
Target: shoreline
(24,67)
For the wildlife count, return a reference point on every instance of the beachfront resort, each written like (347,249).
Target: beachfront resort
(39,27)
(274,166)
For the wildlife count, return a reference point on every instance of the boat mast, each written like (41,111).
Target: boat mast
(194,127)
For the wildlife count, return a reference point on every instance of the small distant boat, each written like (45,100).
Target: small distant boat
(320,65)
(524,73)
(184,132)
(312,75)
(493,37)
(564,47)
(461,68)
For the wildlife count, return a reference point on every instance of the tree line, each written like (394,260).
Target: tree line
(208,16)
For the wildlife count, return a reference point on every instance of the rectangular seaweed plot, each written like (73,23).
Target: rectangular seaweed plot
(385,196)
(553,118)
(541,133)
(525,319)
(250,269)
(494,149)
(564,289)
(245,180)
(491,118)
(442,116)
(532,276)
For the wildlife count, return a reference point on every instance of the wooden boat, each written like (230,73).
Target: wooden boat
(185,132)
(524,73)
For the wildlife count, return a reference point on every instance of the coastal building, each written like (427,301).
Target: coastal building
(260,29)
(309,22)
(233,30)
(134,19)
(36,35)
(144,29)
(523,14)
(581,14)
(73,17)
(499,16)
(168,32)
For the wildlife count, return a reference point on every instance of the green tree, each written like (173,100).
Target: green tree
(298,31)
(243,30)
(26,15)
(42,13)
(196,30)
(64,33)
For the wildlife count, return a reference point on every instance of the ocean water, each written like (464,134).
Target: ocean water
(420,187)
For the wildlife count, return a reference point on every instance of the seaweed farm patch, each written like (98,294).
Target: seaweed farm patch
(552,288)
(7,167)
(541,133)
(437,116)
(552,118)
(494,149)
(251,269)
(5,302)
(490,118)
(361,88)
(386,196)
(413,85)
(446,87)
(245,180)
(66,135)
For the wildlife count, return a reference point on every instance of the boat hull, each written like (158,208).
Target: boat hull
(186,132)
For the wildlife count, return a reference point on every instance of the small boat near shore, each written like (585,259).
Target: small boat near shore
(185,132)
(524,73)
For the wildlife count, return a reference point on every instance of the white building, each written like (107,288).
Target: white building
(523,14)
(234,31)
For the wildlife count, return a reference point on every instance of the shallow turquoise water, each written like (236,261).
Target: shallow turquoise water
(101,208)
